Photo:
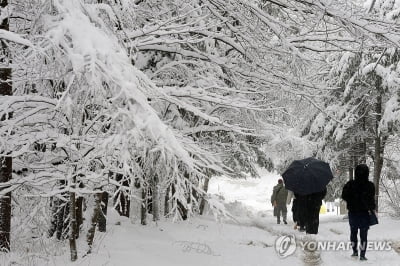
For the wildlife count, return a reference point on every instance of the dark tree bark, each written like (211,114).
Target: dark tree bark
(351,168)
(73,225)
(102,222)
(79,214)
(54,208)
(5,205)
(94,220)
(121,200)
(5,162)
(166,202)
(203,201)
(143,208)
(155,199)
(62,217)
(379,148)
(181,208)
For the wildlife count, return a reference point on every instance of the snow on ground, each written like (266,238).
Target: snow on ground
(249,240)
(254,193)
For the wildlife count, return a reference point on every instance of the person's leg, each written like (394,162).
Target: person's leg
(284,214)
(302,219)
(313,220)
(278,214)
(316,218)
(301,213)
(353,239)
(308,220)
(363,241)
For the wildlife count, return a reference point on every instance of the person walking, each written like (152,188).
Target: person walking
(300,211)
(359,195)
(313,205)
(278,200)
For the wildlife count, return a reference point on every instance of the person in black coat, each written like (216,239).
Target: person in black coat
(313,205)
(307,211)
(299,211)
(359,195)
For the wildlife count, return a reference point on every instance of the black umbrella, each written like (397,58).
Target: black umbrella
(307,176)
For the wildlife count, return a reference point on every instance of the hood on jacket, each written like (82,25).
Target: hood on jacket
(361,173)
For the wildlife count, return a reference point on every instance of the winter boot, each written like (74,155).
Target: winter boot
(363,258)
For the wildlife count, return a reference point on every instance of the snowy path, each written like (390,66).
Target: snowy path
(254,194)
(202,241)
(247,241)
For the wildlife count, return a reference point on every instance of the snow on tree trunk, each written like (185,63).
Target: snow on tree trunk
(102,223)
(59,218)
(73,222)
(5,205)
(203,200)
(121,197)
(5,162)
(79,214)
(166,201)
(379,145)
(63,220)
(93,221)
(155,198)
(143,208)
(136,202)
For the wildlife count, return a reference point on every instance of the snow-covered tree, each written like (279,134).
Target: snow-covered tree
(361,112)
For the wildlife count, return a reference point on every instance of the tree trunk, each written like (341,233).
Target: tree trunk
(363,144)
(79,214)
(203,201)
(121,200)
(378,162)
(5,162)
(155,199)
(183,212)
(143,208)
(136,201)
(73,223)
(351,169)
(60,219)
(102,222)
(379,148)
(54,208)
(166,202)
(5,205)
(355,157)
(62,214)
(371,6)
(94,220)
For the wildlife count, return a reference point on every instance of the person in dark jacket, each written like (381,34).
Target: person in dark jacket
(312,206)
(278,200)
(299,211)
(359,195)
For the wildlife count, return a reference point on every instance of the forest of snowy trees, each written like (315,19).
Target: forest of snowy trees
(141,102)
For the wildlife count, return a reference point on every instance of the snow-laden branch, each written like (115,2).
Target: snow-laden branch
(14,37)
